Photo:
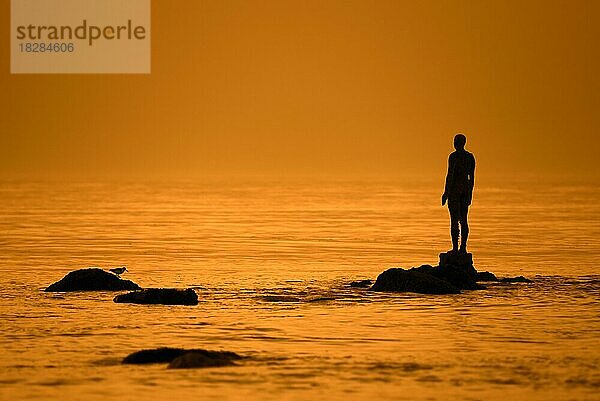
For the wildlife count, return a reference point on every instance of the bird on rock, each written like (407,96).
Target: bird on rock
(119,270)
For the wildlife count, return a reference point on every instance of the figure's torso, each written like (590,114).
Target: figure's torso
(462,164)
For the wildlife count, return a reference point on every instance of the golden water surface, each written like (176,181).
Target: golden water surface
(238,242)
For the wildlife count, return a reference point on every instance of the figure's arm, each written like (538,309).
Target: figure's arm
(471,179)
(472,175)
(449,179)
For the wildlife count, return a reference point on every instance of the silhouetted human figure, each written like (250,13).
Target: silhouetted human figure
(459,191)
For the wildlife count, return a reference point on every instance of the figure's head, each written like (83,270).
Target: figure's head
(459,141)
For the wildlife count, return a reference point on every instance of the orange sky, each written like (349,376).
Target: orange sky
(314,87)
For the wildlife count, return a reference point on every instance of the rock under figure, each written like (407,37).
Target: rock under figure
(459,191)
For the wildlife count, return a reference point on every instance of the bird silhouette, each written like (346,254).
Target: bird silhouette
(119,270)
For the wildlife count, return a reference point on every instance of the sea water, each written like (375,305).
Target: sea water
(238,242)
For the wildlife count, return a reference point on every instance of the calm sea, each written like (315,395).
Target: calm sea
(238,242)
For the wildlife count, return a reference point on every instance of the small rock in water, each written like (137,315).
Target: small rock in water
(458,259)
(198,359)
(162,296)
(455,272)
(461,277)
(321,299)
(157,355)
(280,298)
(400,280)
(486,276)
(168,355)
(361,283)
(92,279)
(518,279)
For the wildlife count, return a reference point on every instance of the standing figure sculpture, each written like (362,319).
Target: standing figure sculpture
(459,191)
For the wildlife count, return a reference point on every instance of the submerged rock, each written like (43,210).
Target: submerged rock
(201,359)
(455,272)
(169,355)
(456,258)
(92,279)
(321,299)
(460,277)
(157,355)
(361,284)
(426,279)
(280,298)
(413,280)
(518,279)
(486,276)
(460,260)
(162,296)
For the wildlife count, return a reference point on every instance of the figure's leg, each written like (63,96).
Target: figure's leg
(454,210)
(464,226)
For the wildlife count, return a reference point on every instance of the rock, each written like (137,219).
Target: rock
(162,296)
(455,273)
(486,276)
(361,284)
(157,355)
(201,359)
(168,355)
(460,277)
(444,279)
(321,299)
(280,298)
(458,259)
(93,279)
(413,280)
(518,279)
